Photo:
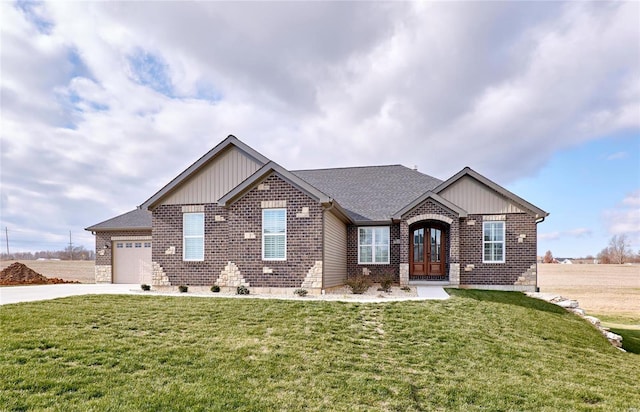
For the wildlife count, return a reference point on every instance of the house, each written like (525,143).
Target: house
(235,218)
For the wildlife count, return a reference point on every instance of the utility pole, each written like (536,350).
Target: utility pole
(70,247)
(6,234)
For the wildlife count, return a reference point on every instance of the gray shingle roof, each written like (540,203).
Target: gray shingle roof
(136,219)
(372,192)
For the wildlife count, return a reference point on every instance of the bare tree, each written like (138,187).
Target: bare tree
(619,250)
(548,257)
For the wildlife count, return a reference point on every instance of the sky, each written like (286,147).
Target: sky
(103,103)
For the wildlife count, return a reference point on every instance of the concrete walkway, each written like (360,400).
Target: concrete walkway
(432,292)
(15,294)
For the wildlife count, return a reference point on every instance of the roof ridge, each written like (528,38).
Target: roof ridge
(349,167)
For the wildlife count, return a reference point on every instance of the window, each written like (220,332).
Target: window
(493,242)
(373,245)
(119,245)
(129,245)
(138,244)
(274,234)
(147,244)
(193,236)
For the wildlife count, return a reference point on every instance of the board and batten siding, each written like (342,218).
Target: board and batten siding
(335,251)
(476,198)
(226,171)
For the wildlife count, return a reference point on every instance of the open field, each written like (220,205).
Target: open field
(479,350)
(78,270)
(609,291)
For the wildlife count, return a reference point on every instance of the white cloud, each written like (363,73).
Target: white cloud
(625,218)
(580,232)
(497,86)
(617,156)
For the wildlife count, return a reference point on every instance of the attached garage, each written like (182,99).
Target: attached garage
(132,261)
(123,248)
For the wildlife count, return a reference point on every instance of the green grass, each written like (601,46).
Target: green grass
(477,351)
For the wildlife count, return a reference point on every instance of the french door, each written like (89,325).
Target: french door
(427,250)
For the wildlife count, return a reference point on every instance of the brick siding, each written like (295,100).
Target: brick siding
(518,256)
(353,268)
(225,241)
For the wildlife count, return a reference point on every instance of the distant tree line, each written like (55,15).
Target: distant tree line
(74,253)
(617,252)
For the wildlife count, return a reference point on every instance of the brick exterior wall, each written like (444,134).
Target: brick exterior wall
(353,268)
(167,234)
(104,238)
(236,236)
(519,256)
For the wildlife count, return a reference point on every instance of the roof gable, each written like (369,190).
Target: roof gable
(476,194)
(237,192)
(214,174)
(438,199)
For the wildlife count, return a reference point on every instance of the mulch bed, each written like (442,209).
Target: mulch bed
(20,274)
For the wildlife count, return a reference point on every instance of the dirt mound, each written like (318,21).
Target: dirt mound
(20,274)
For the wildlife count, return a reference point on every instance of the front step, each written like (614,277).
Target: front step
(429,283)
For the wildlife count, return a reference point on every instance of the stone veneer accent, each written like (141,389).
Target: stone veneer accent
(528,278)
(103,274)
(314,276)
(404,274)
(231,277)
(158,277)
(454,274)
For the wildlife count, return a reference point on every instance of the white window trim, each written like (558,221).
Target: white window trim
(279,234)
(503,241)
(184,238)
(373,244)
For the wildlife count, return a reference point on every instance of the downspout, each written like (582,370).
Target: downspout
(539,220)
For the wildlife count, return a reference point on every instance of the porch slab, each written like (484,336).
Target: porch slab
(432,292)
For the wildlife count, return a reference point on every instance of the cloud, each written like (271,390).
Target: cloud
(104,102)
(625,218)
(580,232)
(617,156)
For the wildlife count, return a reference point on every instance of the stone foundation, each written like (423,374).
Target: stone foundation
(314,276)
(103,274)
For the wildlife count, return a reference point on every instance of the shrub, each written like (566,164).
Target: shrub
(183,288)
(406,288)
(215,288)
(145,287)
(301,292)
(359,284)
(385,283)
(242,290)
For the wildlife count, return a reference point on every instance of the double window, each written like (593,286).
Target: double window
(193,236)
(493,242)
(373,245)
(274,234)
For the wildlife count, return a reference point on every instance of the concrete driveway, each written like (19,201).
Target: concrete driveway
(15,294)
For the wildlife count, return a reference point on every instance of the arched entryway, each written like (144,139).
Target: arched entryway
(428,250)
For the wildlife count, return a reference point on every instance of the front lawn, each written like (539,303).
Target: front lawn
(476,351)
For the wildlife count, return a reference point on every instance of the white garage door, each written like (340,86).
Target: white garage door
(132,261)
